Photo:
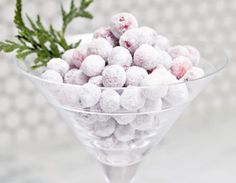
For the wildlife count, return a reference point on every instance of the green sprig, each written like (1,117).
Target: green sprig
(42,42)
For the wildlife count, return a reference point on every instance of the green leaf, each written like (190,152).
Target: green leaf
(44,43)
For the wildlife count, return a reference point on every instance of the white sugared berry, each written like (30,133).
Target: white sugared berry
(193,73)
(165,60)
(177,51)
(124,133)
(52,75)
(107,142)
(101,47)
(162,42)
(85,118)
(194,55)
(135,75)
(58,65)
(120,56)
(80,54)
(105,32)
(132,98)
(102,118)
(187,51)
(113,76)
(97,80)
(105,128)
(149,35)
(152,106)
(93,65)
(143,122)
(177,94)
(109,101)
(147,57)
(134,38)
(75,76)
(124,119)
(68,57)
(155,84)
(89,95)
(122,22)
(180,65)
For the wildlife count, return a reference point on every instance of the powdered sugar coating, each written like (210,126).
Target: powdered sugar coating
(143,122)
(68,57)
(193,73)
(122,22)
(177,94)
(88,95)
(52,75)
(97,80)
(134,75)
(188,51)
(134,38)
(80,54)
(120,56)
(58,65)
(100,46)
(124,119)
(110,100)
(194,55)
(105,32)
(147,57)
(180,65)
(152,105)
(124,133)
(149,35)
(166,59)
(177,51)
(87,119)
(75,76)
(93,65)
(113,76)
(156,82)
(104,129)
(132,98)
(162,43)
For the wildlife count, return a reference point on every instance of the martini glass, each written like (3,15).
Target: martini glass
(120,140)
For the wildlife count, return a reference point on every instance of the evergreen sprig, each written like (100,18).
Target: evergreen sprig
(42,42)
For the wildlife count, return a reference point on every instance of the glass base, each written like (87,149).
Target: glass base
(116,174)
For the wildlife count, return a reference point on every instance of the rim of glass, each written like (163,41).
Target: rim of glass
(221,65)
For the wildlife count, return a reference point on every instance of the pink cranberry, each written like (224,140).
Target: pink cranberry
(180,66)
(80,54)
(122,22)
(105,32)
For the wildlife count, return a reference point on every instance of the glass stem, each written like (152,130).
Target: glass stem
(115,174)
